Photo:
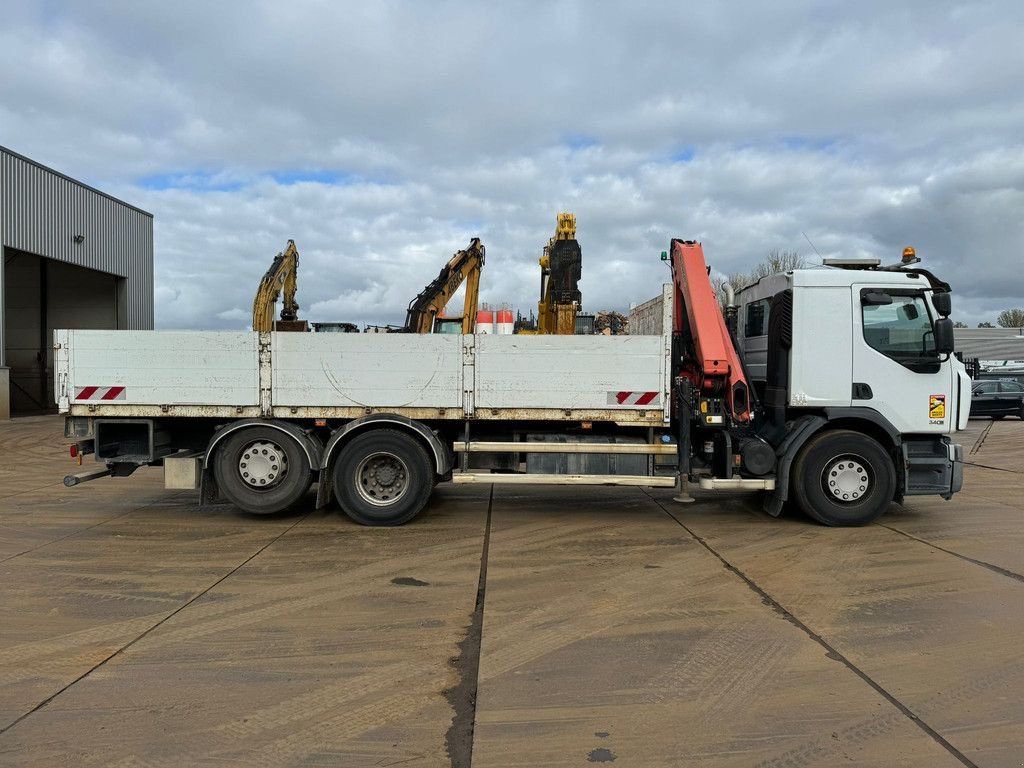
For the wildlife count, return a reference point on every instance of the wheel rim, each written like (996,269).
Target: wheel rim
(262,464)
(382,479)
(846,479)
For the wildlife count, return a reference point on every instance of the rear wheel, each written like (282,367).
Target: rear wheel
(843,477)
(262,470)
(383,477)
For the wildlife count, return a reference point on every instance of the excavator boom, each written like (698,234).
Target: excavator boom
(464,266)
(282,277)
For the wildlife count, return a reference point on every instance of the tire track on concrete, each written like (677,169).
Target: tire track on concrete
(369,701)
(277,601)
(343,710)
(812,752)
(143,634)
(997,569)
(832,652)
(7,496)
(87,528)
(213,617)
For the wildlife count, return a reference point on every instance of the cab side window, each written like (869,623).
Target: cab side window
(898,325)
(756,321)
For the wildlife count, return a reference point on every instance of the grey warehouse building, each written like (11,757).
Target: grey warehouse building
(73,257)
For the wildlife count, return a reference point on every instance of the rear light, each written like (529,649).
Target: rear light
(74,451)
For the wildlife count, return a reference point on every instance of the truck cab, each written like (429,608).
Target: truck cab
(852,345)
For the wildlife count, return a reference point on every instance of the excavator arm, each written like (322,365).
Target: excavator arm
(709,358)
(282,277)
(464,266)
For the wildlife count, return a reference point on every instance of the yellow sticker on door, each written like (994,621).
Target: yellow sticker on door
(936,406)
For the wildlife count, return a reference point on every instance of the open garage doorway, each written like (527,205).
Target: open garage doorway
(42,294)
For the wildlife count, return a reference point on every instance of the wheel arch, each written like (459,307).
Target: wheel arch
(416,429)
(309,444)
(863,420)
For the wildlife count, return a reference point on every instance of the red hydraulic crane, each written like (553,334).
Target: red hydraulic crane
(710,362)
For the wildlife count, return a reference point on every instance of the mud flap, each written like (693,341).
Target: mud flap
(800,433)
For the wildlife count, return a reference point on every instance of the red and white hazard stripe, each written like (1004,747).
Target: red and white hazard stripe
(100,393)
(634,398)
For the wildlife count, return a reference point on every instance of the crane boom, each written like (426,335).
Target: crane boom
(710,362)
(463,266)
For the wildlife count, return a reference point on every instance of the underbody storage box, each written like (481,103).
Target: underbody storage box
(182,473)
(584,463)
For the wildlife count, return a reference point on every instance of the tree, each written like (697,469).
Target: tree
(778,261)
(1011,318)
(959,324)
(775,262)
(985,325)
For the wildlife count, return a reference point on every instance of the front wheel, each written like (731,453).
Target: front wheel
(383,477)
(843,477)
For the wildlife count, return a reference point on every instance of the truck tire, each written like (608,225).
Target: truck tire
(262,470)
(383,477)
(843,477)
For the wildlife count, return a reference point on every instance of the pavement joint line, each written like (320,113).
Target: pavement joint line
(30,490)
(831,652)
(144,633)
(990,566)
(462,696)
(83,530)
(981,438)
(986,466)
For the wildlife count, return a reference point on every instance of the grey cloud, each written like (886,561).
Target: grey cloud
(868,127)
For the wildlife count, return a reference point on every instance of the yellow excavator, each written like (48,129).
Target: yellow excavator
(282,277)
(424,310)
(561,266)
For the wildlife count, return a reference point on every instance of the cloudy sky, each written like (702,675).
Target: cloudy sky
(382,136)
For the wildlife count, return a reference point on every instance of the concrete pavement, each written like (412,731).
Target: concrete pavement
(532,627)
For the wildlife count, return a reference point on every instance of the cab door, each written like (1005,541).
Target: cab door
(896,370)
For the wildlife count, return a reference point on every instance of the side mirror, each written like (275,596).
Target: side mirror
(944,343)
(875,299)
(943,303)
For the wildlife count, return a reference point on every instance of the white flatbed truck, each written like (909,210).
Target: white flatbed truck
(377,420)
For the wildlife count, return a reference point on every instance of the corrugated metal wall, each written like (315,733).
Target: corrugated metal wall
(990,343)
(41,212)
